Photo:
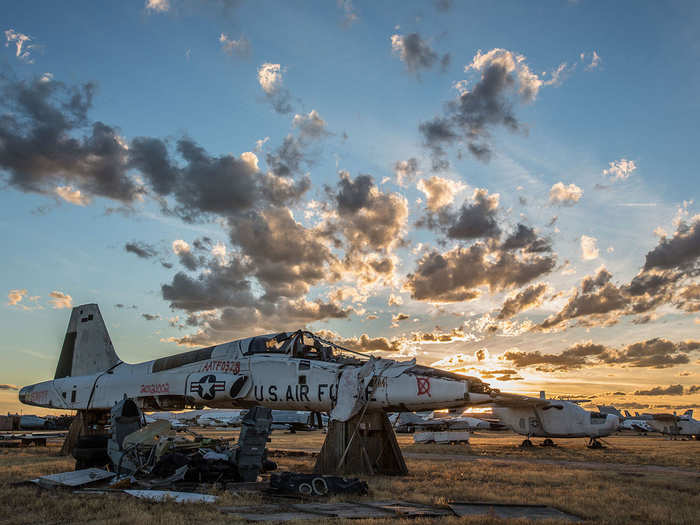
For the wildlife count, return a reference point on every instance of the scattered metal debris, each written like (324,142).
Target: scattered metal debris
(449,437)
(511,511)
(154,455)
(315,485)
(171,495)
(392,509)
(76,478)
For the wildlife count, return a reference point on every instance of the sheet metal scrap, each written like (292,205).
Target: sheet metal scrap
(512,511)
(171,495)
(75,478)
(315,485)
(392,509)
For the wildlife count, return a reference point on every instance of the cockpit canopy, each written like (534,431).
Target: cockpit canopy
(300,344)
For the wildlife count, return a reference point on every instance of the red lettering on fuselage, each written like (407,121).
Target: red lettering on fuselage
(156,388)
(229,367)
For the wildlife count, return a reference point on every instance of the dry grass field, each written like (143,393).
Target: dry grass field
(601,496)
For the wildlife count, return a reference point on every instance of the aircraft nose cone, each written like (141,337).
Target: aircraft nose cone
(23,395)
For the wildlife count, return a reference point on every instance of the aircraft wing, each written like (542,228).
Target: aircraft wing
(506,400)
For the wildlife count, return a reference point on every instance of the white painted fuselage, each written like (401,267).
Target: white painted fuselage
(243,373)
(559,419)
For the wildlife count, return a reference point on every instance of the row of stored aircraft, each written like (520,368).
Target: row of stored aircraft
(289,371)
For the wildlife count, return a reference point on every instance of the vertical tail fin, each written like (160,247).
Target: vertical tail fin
(87,348)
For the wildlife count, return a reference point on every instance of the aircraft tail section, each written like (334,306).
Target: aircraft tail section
(87,348)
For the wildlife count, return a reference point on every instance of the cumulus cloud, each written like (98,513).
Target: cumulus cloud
(210,185)
(671,390)
(69,194)
(38,148)
(393,300)
(415,52)
(21,43)
(263,317)
(506,80)
(349,13)
(184,253)
(364,343)
(60,300)
(620,169)
(158,6)
(458,274)
(476,218)
(369,219)
(270,80)
(525,299)
(589,248)
(595,298)
(151,317)
(440,336)
(681,250)
(406,171)
(141,249)
(311,126)
(652,353)
(8,387)
(285,257)
(667,278)
(564,195)
(240,47)
(595,60)
(440,192)
(14,297)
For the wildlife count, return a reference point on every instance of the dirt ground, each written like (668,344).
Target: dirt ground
(601,496)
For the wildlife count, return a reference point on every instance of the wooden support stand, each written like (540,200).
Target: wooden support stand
(74,432)
(366,444)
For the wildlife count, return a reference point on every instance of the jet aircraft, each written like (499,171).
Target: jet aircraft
(287,371)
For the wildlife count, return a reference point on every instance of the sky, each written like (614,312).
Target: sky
(506,190)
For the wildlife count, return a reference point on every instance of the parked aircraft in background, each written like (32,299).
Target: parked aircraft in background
(549,418)
(31,422)
(408,422)
(639,425)
(219,419)
(628,422)
(294,420)
(286,371)
(676,426)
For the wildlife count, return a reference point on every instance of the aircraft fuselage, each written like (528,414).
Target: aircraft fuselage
(243,373)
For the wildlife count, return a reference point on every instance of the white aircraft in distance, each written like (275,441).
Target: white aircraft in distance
(294,420)
(676,426)
(408,422)
(628,422)
(287,371)
(551,418)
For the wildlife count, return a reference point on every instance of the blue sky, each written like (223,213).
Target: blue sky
(165,72)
